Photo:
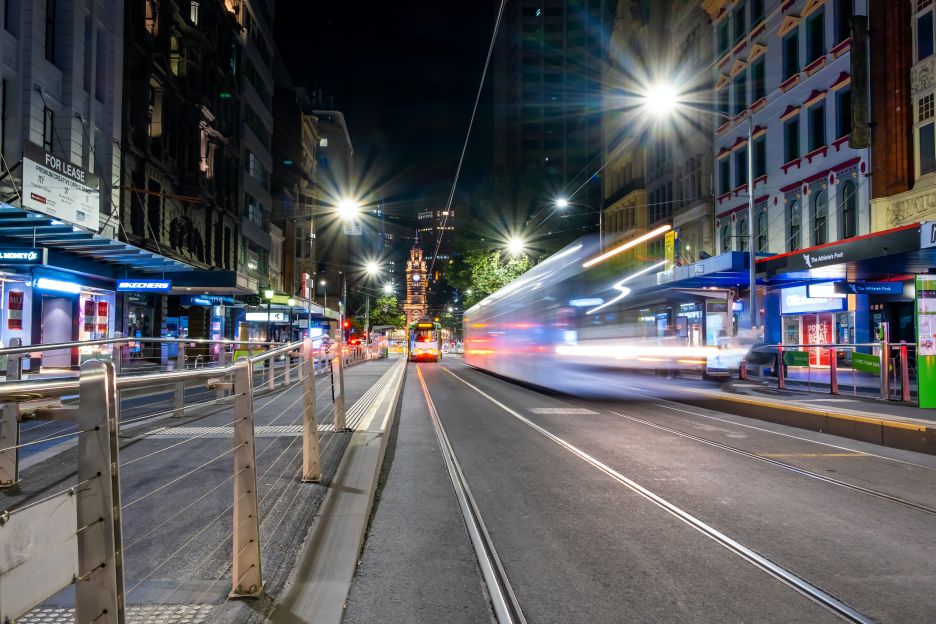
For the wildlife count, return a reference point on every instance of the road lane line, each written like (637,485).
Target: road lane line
(785,576)
(503,600)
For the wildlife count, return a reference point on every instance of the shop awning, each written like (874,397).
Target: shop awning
(68,244)
(905,250)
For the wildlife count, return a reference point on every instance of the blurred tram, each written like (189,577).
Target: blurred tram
(425,340)
(562,318)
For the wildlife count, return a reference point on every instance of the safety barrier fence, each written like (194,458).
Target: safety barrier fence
(861,364)
(76,535)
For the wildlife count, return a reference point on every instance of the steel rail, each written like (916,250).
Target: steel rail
(125,339)
(785,576)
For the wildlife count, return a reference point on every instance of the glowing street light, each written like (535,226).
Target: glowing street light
(450,309)
(388,289)
(661,99)
(372,268)
(516,245)
(562,203)
(348,209)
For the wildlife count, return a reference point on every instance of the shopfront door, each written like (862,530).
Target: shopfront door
(56,327)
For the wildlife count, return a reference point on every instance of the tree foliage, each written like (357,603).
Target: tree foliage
(485,272)
(386,310)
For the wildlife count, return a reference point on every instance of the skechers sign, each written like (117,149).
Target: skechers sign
(141,285)
(22,257)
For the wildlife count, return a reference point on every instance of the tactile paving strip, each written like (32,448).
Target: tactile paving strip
(157,614)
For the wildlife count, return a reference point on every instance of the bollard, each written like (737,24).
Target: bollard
(247,579)
(10,425)
(340,415)
(833,371)
(178,399)
(781,383)
(742,372)
(311,467)
(99,595)
(904,373)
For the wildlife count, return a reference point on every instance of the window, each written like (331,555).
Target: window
(100,77)
(740,93)
(762,231)
(194,10)
(791,55)
(758,82)
(176,55)
(843,113)
(924,35)
(723,37)
(50,30)
(88,53)
(723,101)
(48,128)
(791,149)
(155,111)
(848,207)
(760,156)
(817,133)
(724,176)
(815,33)
(151,17)
(844,9)
(742,233)
(757,12)
(794,226)
(11,17)
(254,212)
(820,217)
(726,238)
(741,172)
(926,133)
(740,29)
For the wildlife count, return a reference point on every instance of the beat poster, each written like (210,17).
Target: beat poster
(102,317)
(89,312)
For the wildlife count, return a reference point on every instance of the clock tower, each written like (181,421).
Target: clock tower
(416,306)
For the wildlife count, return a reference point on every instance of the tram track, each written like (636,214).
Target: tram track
(799,584)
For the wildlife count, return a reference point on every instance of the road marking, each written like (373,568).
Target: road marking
(775,455)
(561,410)
(781,574)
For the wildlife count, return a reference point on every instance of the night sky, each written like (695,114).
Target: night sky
(405,74)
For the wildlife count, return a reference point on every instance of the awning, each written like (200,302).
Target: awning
(77,250)
(881,255)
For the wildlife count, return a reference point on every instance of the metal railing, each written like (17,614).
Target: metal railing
(76,535)
(896,372)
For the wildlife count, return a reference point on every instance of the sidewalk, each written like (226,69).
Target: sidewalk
(418,565)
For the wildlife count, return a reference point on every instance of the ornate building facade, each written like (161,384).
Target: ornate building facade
(416,305)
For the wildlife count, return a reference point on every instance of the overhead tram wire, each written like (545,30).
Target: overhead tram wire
(474,111)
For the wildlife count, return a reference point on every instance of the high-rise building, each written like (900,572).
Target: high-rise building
(547,121)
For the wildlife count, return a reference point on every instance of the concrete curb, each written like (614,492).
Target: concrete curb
(319,585)
(901,433)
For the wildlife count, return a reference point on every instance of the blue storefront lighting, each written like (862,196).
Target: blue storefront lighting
(46,283)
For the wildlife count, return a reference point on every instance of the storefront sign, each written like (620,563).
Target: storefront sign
(207,300)
(867,363)
(926,339)
(144,285)
(796,300)
(275,317)
(869,288)
(796,358)
(670,247)
(59,188)
(102,317)
(90,312)
(22,257)
(927,234)
(15,309)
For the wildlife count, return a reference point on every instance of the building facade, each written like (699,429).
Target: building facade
(416,304)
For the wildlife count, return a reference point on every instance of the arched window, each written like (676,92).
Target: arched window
(762,231)
(743,233)
(848,207)
(726,238)
(795,226)
(820,218)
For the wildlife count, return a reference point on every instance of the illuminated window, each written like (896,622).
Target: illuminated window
(794,226)
(820,218)
(194,11)
(151,17)
(925,132)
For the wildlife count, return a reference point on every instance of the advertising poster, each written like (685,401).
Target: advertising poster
(818,330)
(89,316)
(926,339)
(15,310)
(102,317)
(59,188)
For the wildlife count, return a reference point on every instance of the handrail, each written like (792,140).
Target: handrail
(55,388)
(123,339)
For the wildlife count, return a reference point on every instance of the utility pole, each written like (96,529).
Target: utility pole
(366,319)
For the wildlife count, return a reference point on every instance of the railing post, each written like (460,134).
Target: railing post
(885,371)
(311,467)
(178,397)
(271,381)
(340,416)
(99,595)
(10,425)
(247,580)
(781,383)
(904,373)
(742,371)
(833,371)
(221,389)
(287,375)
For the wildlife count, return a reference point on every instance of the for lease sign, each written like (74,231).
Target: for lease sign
(60,189)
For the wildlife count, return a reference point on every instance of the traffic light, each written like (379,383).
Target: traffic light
(347,324)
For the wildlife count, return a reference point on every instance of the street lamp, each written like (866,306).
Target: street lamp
(290,302)
(268,294)
(450,309)
(561,203)
(348,209)
(515,245)
(661,100)
(388,289)
(372,268)
(324,293)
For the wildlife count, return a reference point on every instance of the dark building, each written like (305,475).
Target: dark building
(547,118)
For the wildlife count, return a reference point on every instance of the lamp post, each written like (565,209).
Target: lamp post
(268,294)
(290,302)
(562,203)
(325,293)
(662,100)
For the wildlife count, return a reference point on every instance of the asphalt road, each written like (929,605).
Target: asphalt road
(641,510)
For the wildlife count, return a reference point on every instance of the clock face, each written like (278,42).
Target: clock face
(417,277)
